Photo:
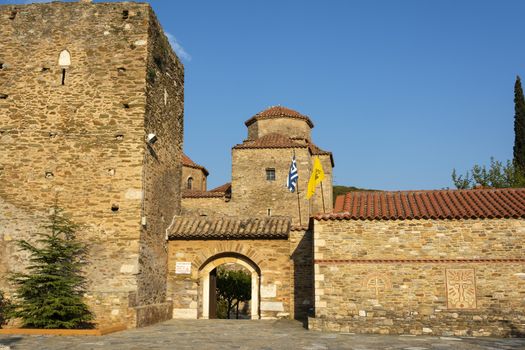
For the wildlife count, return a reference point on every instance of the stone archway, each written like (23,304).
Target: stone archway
(212,263)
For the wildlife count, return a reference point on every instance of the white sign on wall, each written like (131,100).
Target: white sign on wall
(183,268)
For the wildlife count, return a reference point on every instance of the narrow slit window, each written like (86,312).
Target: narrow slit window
(269,212)
(63,76)
(270,174)
(190,183)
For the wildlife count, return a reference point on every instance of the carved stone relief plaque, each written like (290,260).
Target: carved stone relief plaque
(461,288)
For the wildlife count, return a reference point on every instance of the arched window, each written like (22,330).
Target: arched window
(64,61)
(190,183)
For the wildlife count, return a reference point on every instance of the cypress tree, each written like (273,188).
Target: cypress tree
(519,126)
(50,295)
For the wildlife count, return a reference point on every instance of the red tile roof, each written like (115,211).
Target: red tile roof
(317,151)
(186,161)
(218,192)
(227,187)
(205,227)
(273,140)
(438,204)
(278,112)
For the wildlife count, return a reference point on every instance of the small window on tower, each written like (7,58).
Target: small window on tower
(270,174)
(64,61)
(190,183)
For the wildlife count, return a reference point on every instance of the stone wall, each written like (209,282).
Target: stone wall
(270,256)
(213,206)
(295,128)
(161,171)
(76,133)
(199,179)
(253,195)
(439,277)
(301,260)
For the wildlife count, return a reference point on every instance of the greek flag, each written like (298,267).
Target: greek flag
(293,176)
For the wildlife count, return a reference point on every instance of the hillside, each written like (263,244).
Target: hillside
(339,190)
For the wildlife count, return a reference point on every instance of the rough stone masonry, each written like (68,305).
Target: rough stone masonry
(91,115)
(422,262)
(81,87)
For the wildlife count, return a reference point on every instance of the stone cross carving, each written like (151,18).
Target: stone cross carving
(377,283)
(461,288)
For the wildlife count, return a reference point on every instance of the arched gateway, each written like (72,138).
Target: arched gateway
(198,245)
(207,282)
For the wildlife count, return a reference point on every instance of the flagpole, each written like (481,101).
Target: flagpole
(298,199)
(322,197)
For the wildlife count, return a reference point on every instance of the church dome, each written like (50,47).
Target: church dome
(275,112)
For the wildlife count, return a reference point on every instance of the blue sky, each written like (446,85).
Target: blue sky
(400,91)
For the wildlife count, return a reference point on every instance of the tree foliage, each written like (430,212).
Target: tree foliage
(50,295)
(233,287)
(519,125)
(497,175)
(339,190)
(5,308)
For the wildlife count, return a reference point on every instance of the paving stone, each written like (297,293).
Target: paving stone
(248,334)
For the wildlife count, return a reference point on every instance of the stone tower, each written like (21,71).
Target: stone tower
(193,175)
(91,114)
(260,166)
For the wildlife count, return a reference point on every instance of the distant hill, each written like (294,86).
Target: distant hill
(338,190)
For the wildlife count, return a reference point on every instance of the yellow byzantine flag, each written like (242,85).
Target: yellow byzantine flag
(316,178)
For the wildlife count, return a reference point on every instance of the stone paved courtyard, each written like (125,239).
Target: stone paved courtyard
(264,334)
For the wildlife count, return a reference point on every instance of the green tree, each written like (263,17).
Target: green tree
(498,175)
(519,125)
(50,295)
(510,174)
(233,287)
(5,308)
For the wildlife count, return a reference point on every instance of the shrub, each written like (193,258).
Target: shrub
(5,309)
(50,295)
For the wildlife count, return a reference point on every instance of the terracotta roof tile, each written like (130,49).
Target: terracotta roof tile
(438,204)
(317,151)
(205,227)
(278,112)
(227,187)
(186,161)
(272,140)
